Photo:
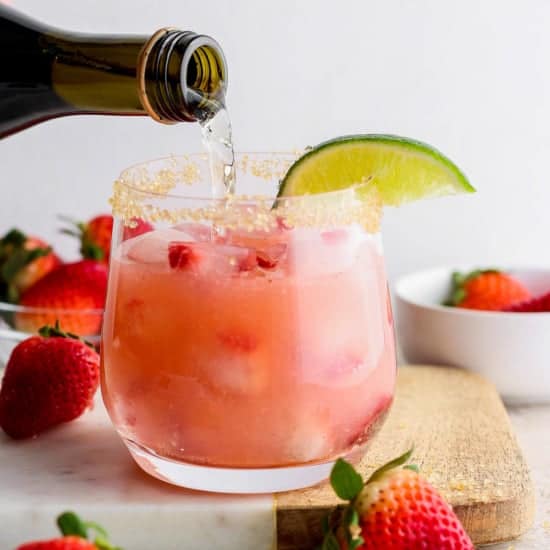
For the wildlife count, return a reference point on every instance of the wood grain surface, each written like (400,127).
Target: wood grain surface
(463,443)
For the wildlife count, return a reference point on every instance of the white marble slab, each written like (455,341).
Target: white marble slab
(85,467)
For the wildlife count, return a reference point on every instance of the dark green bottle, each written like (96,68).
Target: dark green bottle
(172,76)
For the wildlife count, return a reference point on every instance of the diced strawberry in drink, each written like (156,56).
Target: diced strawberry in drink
(270,257)
(139,227)
(238,342)
(247,262)
(282,224)
(265,262)
(181,255)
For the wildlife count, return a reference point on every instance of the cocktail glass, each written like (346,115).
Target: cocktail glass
(248,342)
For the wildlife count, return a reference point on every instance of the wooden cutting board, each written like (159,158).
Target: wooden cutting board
(463,443)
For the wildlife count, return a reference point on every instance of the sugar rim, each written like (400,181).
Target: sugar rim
(157,179)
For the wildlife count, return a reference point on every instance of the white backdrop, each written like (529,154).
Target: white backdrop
(472,77)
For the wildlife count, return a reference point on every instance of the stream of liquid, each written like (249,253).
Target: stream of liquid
(217,139)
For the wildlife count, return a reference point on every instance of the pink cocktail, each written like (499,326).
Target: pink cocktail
(244,350)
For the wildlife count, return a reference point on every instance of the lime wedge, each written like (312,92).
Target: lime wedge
(401,169)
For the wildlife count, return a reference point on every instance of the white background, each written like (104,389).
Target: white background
(471,77)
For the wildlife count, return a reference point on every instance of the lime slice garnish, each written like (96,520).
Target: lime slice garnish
(401,169)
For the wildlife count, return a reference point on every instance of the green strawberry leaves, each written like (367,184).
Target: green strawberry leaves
(70,524)
(88,248)
(14,238)
(345,481)
(14,257)
(91,251)
(395,463)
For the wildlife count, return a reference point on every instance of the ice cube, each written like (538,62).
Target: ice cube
(234,374)
(196,232)
(345,370)
(234,362)
(308,440)
(312,252)
(151,247)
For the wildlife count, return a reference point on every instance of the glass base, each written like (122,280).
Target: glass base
(230,480)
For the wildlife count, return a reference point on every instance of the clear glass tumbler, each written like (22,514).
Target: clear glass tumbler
(248,341)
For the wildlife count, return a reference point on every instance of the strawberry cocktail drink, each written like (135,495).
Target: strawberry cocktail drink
(247,342)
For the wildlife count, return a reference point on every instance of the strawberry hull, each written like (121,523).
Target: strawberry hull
(252,351)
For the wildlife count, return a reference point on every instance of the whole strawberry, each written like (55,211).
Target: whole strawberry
(396,509)
(23,261)
(489,290)
(75,536)
(75,286)
(49,379)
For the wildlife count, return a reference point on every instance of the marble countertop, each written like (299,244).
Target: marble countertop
(532,427)
(96,477)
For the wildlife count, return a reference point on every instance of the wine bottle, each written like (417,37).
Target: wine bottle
(172,76)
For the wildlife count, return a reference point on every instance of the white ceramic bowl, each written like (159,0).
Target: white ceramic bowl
(510,349)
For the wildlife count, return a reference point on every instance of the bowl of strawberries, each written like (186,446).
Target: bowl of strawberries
(38,288)
(495,322)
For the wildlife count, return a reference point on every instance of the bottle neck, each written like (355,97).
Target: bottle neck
(182,76)
(172,76)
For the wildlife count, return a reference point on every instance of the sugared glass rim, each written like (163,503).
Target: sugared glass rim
(291,156)
(147,190)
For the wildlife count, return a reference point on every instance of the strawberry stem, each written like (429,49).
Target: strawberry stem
(48,331)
